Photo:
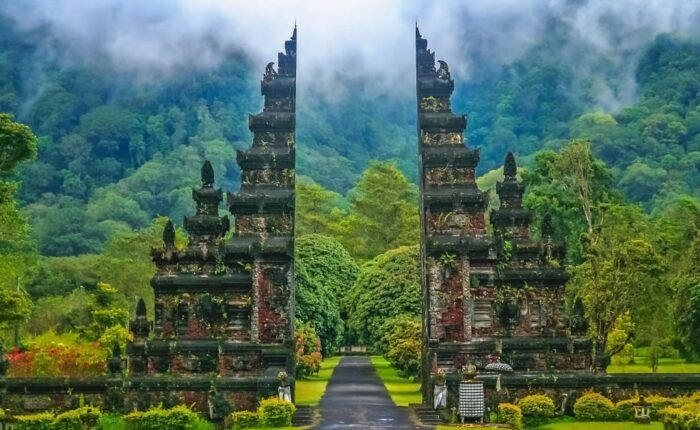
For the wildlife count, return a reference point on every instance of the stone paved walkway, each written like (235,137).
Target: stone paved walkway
(357,399)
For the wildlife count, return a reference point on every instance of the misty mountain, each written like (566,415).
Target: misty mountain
(119,146)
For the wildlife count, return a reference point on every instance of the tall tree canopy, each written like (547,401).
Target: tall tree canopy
(387,286)
(383,212)
(324,273)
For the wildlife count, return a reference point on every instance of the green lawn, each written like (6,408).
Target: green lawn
(666,365)
(603,426)
(309,390)
(403,391)
(580,426)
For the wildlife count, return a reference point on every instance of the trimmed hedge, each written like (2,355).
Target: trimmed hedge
(245,420)
(40,421)
(77,419)
(177,418)
(686,417)
(536,409)
(510,414)
(594,407)
(275,412)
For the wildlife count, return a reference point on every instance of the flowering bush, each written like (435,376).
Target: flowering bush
(58,355)
(308,350)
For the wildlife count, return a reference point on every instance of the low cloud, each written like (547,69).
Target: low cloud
(363,39)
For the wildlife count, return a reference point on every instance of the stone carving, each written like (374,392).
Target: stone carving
(270,73)
(444,71)
(440,394)
(284,391)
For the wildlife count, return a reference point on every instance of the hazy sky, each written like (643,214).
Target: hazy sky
(364,38)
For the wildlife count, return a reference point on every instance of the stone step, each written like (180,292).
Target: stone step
(426,414)
(304,416)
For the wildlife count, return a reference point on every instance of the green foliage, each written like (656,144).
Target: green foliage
(625,408)
(618,346)
(594,407)
(403,344)
(623,273)
(511,415)
(383,212)
(316,305)
(308,350)
(536,409)
(571,186)
(58,355)
(177,418)
(111,422)
(275,412)
(17,143)
(41,421)
(386,287)
(324,272)
(687,283)
(317,209)
(685,417)
(245,420)
(77,419)
(328,262)
(15,305)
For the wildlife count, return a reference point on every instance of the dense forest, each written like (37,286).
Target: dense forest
(114,155)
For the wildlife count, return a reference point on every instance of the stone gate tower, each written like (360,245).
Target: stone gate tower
(224,306)
(489,294)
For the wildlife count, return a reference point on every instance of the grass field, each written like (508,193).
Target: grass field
(666,365)
(403,391)
(580,426)
(309,390)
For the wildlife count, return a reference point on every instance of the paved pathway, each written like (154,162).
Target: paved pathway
(356,399)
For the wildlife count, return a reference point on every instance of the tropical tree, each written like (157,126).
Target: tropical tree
(386,287)
(383,212)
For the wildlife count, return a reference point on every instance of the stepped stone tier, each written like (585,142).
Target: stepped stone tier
(224,306)
(489,294)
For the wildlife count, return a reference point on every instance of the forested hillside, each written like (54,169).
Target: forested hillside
(116,151)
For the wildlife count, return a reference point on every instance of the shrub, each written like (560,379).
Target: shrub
(177,418)
(245,420)
(58,355)
(686,417)
(77,419)
(594,407)
(403,342)
(510,414)
(308,350)
(40,421)
(536,409)
(111,422)
(275,412)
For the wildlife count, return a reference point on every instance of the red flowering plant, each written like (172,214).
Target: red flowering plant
(308,350)
(58,355)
